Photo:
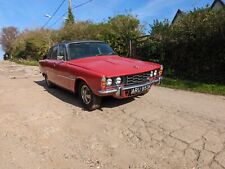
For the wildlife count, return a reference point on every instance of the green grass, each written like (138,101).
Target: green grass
(25,62)
(215,89)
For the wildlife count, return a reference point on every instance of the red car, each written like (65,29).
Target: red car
(93,70)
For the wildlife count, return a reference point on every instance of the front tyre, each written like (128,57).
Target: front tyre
(48,83)
(89,100)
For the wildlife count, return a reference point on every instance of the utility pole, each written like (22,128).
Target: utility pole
(70,4)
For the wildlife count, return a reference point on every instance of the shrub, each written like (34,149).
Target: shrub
(32,44)
(192,48)
(117,31)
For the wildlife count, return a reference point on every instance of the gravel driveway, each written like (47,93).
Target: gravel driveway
(44,128)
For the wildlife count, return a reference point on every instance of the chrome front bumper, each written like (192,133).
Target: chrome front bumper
(122,88)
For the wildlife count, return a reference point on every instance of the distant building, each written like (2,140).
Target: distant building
(178,16)
(216,5)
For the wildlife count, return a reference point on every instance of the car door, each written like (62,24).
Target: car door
(64,77)
(51,64)
(45,62)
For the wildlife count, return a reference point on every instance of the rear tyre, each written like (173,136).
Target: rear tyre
(48,83)
(88,99)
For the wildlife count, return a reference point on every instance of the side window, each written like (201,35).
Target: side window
(62,51)
(54,53)
(49,53)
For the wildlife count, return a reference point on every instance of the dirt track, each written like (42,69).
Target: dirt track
(48,129)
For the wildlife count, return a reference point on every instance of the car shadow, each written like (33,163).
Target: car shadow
(71,98)
(61,94)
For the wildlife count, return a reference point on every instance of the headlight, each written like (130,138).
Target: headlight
(161,70)
(118,80)
(151,74)
(155,72)
(109,82)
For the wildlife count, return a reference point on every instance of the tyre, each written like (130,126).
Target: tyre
(88,99)
(48,83)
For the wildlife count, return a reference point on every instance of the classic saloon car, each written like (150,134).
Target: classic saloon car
(93,70)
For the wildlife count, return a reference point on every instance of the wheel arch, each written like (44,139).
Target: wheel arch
(77,82)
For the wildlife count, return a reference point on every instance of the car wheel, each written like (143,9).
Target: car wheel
(48,83)
(88,98)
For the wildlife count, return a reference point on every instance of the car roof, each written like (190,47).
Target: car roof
(81,41)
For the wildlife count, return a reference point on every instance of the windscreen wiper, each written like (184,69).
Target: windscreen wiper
(112,53)
(102,54)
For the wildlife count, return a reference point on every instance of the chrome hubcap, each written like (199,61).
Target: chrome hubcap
(86,94)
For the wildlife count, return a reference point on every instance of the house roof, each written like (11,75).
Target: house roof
(219,1)
(179,12)
(182,13)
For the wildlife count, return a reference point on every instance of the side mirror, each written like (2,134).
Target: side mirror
(60,57)
(44,57)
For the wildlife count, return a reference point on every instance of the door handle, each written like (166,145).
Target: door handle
(54,64)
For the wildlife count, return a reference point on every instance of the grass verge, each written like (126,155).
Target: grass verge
(215,89)
(25,62)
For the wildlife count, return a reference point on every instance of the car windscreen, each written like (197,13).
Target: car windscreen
(88,49)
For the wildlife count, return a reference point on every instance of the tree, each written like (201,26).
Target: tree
(32,44)
(8,36)
(160,29)
(120,30)
(70,17)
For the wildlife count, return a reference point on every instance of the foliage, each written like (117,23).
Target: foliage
(192,48)
(160,29)
(79,31)
(8,36)
(33,44)
(121,29)
(196,44)
(117,31)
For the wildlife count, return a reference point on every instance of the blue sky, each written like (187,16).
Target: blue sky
(30,13)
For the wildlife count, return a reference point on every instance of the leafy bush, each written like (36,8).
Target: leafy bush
(32,44)
(117,31)
(196,42)
(8,36)
(120,30)
(193,47)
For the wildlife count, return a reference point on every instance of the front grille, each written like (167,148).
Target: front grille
(137,78)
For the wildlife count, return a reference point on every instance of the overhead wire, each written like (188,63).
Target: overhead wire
(77,6)
(54,13)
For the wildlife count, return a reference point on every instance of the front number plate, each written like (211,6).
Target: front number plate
(138,90)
